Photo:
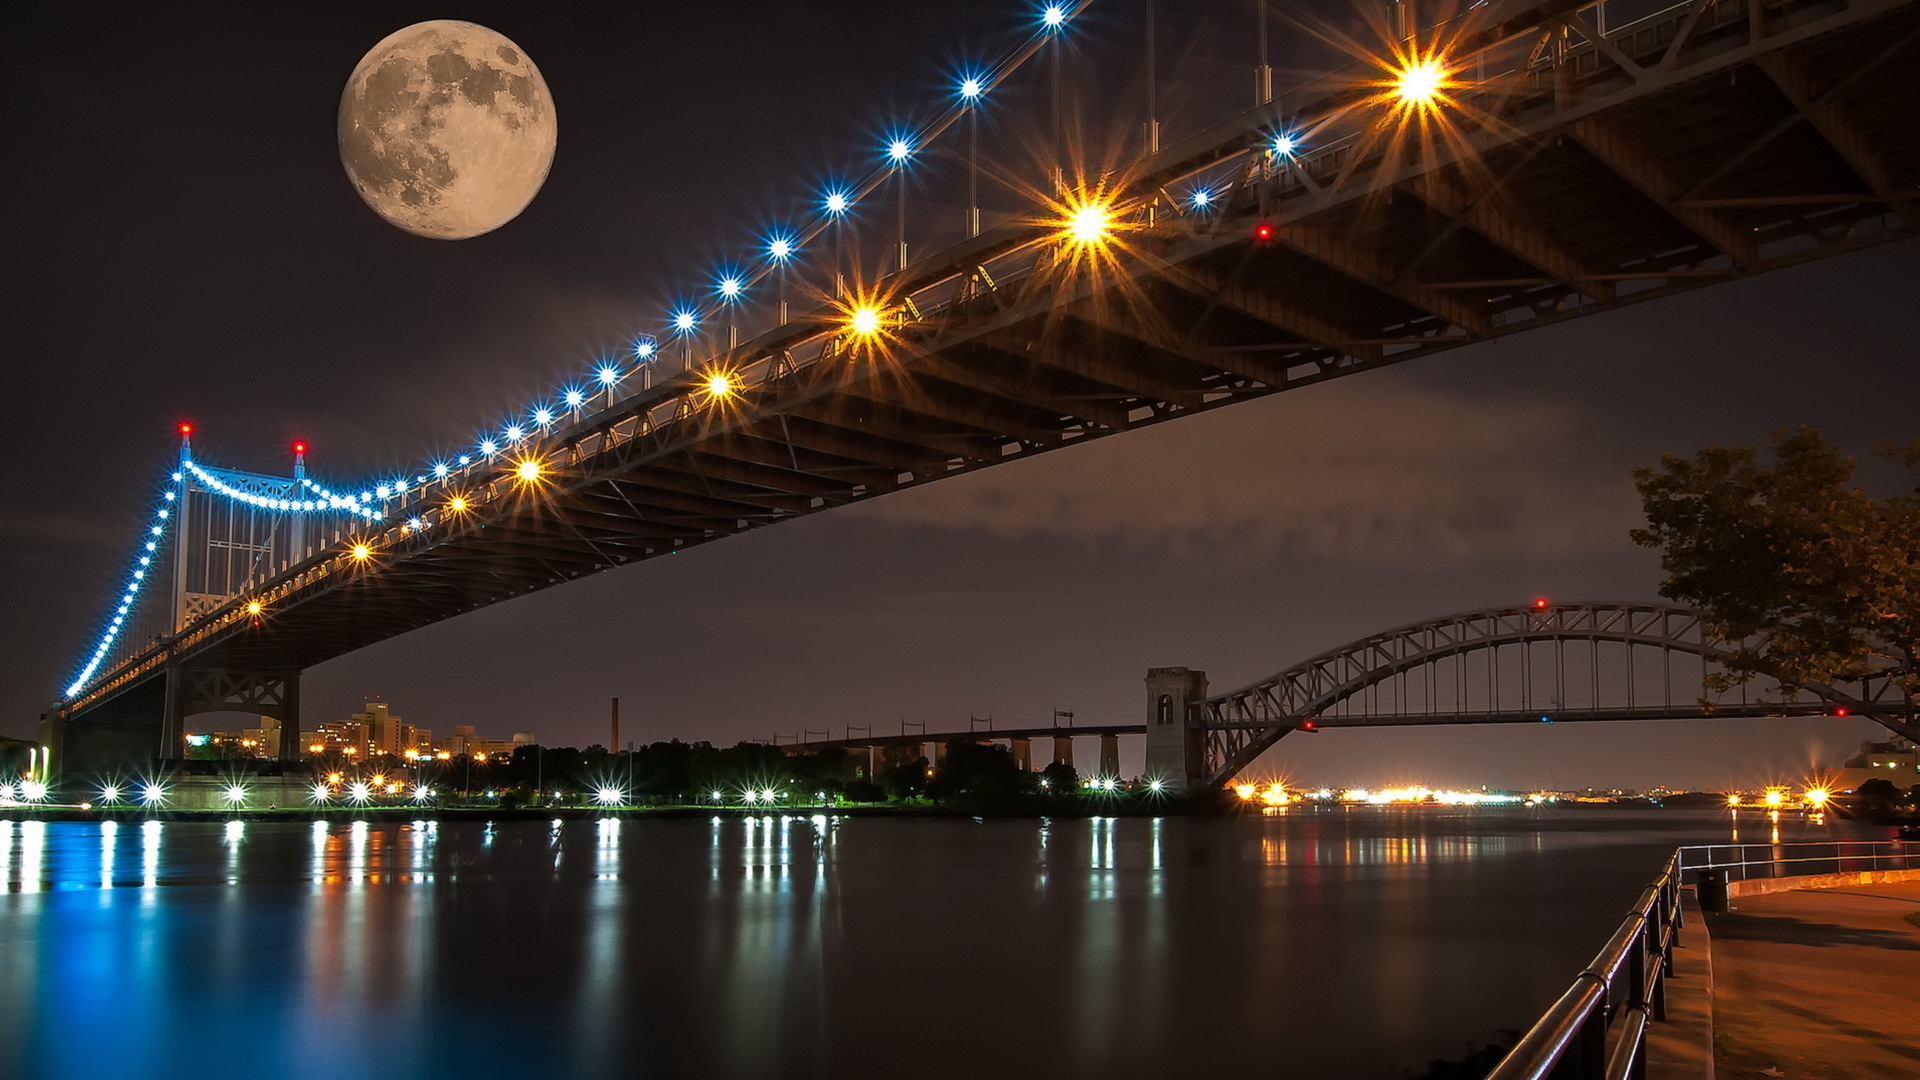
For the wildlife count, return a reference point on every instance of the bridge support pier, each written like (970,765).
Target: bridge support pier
(146,724)
(193,690)
(1176,751)
(1022,754)
(1063,750)
(1110,756)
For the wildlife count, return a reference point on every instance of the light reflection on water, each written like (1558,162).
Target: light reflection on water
(1340,943)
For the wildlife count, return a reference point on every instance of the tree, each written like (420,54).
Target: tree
(1060,778)
(903,771)
(1811,580)
(978,770)
(1877,793)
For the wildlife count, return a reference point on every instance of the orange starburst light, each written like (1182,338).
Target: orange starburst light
(1420,82)
(1088,221)
(721,385)
(865,319)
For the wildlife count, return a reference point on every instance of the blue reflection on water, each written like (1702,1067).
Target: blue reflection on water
(1347,944)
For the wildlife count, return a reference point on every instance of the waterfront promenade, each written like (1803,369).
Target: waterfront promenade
(1818,983)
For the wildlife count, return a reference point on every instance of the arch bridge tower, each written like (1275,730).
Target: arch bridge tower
(1176,748)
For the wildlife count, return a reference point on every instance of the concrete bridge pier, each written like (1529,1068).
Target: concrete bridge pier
(1176,751)
(1063,750)
(1110,755)
(1022,754)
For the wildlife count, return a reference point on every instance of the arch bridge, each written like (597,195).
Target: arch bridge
(1542,663)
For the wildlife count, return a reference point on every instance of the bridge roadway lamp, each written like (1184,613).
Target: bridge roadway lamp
(835,203)
(684,324)
(731,288)
(780,248)
(899,153)
(972,88)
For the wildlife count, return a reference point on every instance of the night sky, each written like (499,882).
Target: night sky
(183,244)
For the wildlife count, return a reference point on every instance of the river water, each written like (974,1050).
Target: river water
(1319,943)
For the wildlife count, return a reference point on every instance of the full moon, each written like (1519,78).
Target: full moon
(447,129)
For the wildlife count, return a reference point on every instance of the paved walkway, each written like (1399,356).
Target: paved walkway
(1818,984)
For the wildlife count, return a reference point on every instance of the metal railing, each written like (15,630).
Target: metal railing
(1598,1028)
(1742,862)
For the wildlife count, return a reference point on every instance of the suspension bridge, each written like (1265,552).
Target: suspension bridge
(1513,165)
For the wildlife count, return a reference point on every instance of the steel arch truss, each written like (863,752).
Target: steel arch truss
(1562,662)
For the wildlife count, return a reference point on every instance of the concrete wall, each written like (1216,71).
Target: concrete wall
(1762,886)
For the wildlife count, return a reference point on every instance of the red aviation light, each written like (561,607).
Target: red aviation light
(299,448)
(1263,233)
(1841,711)
(186,429)
(1539,603)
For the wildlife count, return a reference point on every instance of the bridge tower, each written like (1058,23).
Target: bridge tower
(1175,742)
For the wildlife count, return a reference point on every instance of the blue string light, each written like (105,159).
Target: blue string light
(136,579)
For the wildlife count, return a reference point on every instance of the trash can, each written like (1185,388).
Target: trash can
(1711,891)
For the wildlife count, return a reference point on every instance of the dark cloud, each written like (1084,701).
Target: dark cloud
(1366,473)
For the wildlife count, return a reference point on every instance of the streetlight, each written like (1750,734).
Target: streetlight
(1054,18)
(731,288)
(836,202)
(899,152)
(780,249)
(972,89)
(684,322)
